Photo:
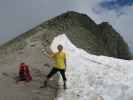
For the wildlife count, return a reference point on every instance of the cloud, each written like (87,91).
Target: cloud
(115,4)
(118,6)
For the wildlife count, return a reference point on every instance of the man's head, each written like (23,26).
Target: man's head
(60,48)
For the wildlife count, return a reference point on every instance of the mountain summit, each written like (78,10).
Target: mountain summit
(99,39)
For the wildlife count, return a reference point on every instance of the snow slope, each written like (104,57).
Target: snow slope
(93,77)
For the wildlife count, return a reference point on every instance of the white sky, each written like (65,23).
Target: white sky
(18,16)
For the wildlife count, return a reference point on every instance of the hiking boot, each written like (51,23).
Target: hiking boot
(65,87)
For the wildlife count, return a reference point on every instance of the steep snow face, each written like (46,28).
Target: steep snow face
(93,77)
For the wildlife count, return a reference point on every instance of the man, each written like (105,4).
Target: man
(24,73)
(60,65)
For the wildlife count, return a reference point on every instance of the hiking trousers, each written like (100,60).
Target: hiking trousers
(54,71)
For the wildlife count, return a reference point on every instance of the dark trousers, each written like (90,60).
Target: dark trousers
(54,71)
